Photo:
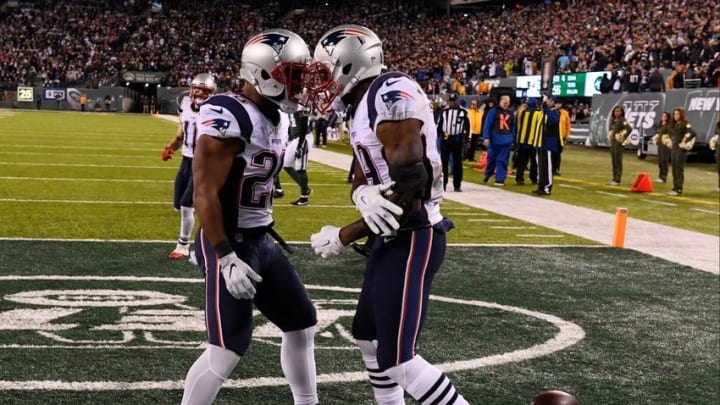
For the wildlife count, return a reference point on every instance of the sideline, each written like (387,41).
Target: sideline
(688,248)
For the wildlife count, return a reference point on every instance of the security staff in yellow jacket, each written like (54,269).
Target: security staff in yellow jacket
(527,121)
(475,115)
(564,134)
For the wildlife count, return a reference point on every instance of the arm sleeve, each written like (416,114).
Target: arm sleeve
(553,116)
(627,128)
(224,119)
(399,99)
(488,123)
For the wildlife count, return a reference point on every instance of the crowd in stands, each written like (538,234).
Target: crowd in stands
(90,43)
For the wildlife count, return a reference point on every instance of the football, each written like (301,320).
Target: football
(554,398)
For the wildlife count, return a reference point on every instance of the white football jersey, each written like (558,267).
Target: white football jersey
(395,96)
(188,120)
(250,182)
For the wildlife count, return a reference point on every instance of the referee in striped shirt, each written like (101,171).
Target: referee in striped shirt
(454,125)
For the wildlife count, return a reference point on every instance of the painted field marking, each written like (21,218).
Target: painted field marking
(658,202)
(568,335)
(92,155)
(172,241)
(705,211)
(569,186)
(100,202)
(612,194)
(43,146)
(488,220)
(468,214)
(85,165)
(529,235)
(84,179)
(29,200)
(513,227)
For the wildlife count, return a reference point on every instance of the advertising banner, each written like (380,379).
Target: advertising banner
(564,84)
(643,110)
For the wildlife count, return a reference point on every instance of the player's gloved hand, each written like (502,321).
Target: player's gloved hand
(240,279)
(327,242)
(167,153)
(377,211)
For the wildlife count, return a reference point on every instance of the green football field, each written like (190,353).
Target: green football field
(92,312)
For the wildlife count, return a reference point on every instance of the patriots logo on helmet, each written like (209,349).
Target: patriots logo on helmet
(335,37)
(274,40)
(217,123)
(392,97)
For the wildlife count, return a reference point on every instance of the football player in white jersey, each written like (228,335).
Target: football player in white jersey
(239,150)
(300,143)
(397,188)
(295,162)
(202,87)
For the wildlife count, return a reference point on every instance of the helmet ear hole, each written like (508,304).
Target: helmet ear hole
(265,75)
(347,68)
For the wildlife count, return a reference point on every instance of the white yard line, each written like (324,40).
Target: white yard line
(570,186)
(488,220)
(513,227)
(80,179)
(173,167)
(32,200)
(89,155)
(705,211)
(612,194)
(530,235)
(659,202)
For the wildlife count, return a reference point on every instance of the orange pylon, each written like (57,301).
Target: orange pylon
(642,184)
(481,163)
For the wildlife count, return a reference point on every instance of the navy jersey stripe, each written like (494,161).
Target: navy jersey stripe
(237,110)
(373,90)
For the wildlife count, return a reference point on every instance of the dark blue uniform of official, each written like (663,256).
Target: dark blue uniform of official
(499,129)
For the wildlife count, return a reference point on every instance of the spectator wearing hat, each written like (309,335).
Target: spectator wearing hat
(527,120)
(498,136)
(454,125)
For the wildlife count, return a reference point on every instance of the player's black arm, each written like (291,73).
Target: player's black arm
(404,152)
(354,231)
(212,161)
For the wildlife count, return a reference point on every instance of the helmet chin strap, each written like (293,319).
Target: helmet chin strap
(353,82)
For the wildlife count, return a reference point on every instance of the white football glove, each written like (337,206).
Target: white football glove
(377,211)
(327,242)
(239,277)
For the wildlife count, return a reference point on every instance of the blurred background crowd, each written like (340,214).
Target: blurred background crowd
(89,43)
